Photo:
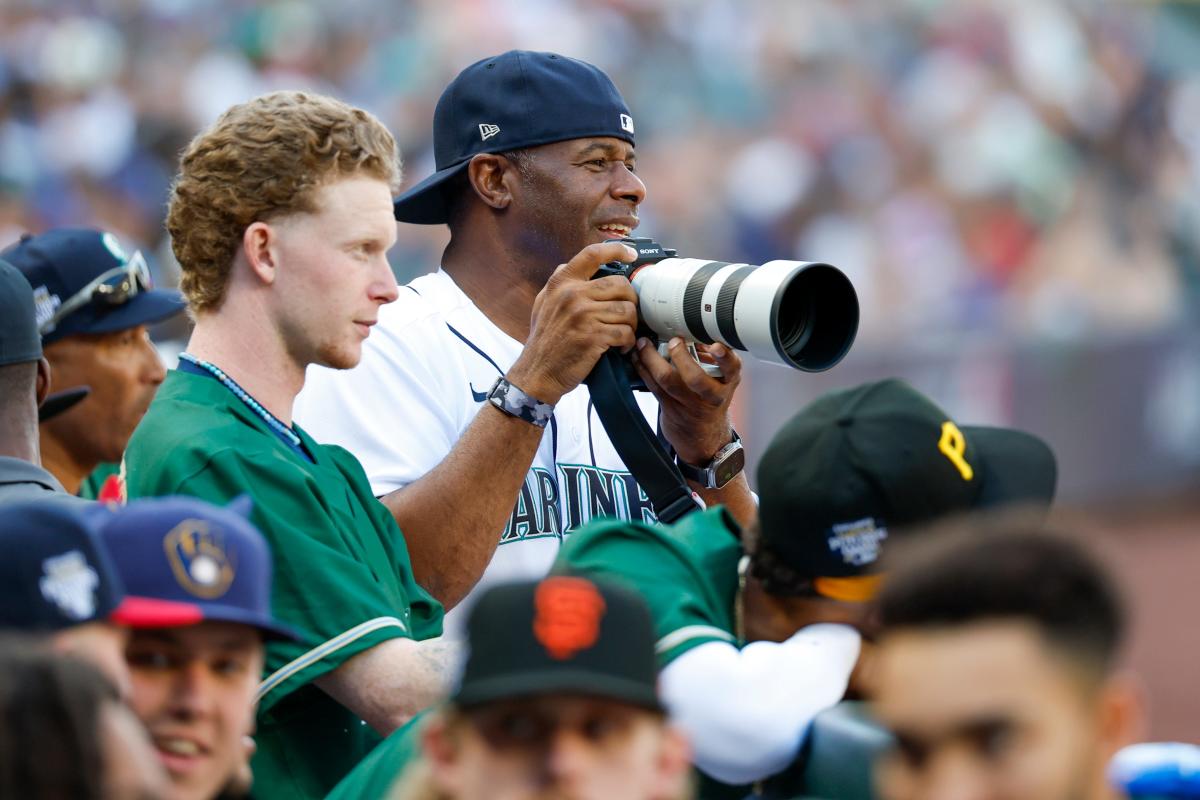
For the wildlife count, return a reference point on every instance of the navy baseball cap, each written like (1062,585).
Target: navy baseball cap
(84,282)
(856,465)
(508,102)
(55,571)
(564,633)
(188,561)
(19,340)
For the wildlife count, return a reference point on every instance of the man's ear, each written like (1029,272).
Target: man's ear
(259,242)
(674,765)
(1122,712)
(42,384)
(491,177)
(440,752)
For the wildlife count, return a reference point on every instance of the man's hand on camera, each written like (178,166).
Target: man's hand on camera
(695,405)
(575,320)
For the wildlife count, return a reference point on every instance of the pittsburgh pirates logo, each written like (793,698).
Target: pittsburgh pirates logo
(199,560)
(953,445)
(568,615)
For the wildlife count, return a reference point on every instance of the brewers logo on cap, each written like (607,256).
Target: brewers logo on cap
(199,559)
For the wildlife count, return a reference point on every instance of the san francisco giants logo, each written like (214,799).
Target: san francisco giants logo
(953,445)
(568,612)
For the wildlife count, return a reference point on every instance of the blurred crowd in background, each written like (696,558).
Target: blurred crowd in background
(1013,168)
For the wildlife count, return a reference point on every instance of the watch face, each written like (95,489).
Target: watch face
(729,467)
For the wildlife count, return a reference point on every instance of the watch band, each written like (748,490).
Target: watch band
(729,461)
(514,402)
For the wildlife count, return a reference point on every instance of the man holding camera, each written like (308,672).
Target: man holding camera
(467,410)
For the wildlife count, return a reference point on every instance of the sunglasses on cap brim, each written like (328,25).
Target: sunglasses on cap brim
(110,289)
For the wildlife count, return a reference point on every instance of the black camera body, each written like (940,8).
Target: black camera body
(648,252)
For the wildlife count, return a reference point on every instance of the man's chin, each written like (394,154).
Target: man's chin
(340,357)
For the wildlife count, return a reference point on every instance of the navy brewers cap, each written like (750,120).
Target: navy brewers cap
(508,102)
(84,282)
(853,466)
(55,571)
(189,561)
(19,340)
(560,634)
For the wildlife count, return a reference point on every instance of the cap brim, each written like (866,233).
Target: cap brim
(575,681)
(1015,467)
(59,402)
(150,612)
(142,309)
(425,203)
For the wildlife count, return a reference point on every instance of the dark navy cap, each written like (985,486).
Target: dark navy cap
(511,101)
(19,340)
(561,634)
(55,571)
(60,263)
(189,561)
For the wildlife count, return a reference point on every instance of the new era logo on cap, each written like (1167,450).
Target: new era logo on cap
(488,131)
(627,123)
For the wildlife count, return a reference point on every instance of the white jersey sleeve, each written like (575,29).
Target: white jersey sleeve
(402,378)
(747,711)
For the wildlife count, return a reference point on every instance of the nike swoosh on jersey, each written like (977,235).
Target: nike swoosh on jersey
(479,396)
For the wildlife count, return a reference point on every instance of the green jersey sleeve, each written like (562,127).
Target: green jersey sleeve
(330,584)
(687,574)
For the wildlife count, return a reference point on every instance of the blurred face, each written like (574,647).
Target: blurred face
(132,771)
(332,271)
(102,644)
(987,712)
(576,193)
(193,689)
(557,747)
(124,372)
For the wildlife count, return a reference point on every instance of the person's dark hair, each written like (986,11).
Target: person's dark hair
(50,711)
(1007,571)
(458,189)
(777,577)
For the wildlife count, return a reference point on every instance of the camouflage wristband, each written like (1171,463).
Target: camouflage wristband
(514,402)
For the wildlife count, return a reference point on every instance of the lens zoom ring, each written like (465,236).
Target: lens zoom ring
(725,300)
(693,298)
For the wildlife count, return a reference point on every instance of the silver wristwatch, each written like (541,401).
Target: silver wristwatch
(724,467)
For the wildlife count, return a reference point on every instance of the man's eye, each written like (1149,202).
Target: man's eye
(913,753)
(229,666)
(601,727)
(994,741)
(149,660)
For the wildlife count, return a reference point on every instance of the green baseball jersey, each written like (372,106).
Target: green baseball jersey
(376,774)
(342,573)
(687,573)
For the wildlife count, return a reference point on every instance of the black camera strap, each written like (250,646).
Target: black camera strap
(635,442)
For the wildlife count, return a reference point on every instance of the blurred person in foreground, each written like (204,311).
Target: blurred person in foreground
(468,409)
(557,700)
(59,584)
(206,573)
(24,390)
(997,668)
(94,305)
(281,218)
(757,629)
(64,733)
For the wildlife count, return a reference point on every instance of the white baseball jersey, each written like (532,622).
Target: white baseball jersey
(425,373)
